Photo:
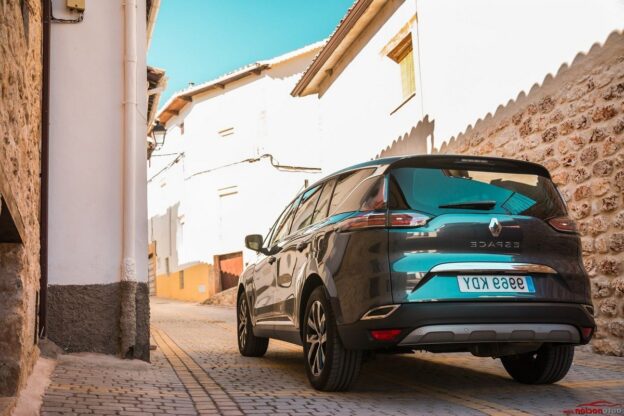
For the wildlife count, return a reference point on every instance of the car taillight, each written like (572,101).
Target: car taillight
(563,224)
(407,219)
(370,219)
(375,219)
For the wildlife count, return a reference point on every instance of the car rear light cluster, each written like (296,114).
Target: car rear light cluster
(563,224)
(375,219)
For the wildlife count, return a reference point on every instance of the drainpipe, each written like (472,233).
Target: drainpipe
(45,133)
(128,274)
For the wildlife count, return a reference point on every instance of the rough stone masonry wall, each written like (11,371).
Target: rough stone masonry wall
(20,136)
(574,125)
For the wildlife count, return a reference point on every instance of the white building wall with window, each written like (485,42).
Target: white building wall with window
(363,106)
(469,57)
(232,160)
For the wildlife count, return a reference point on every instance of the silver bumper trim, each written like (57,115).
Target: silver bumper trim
(492,266)
(469,333)
(380,312)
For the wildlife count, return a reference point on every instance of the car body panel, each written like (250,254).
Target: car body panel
(453,238)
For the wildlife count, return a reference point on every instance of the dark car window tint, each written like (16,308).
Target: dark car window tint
(435,191)
(283,225)
(320,212)
(346,184)
(304,214)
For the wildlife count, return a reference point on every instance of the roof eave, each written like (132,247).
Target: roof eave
(317,71)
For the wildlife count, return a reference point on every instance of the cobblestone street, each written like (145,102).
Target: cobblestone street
(197,369)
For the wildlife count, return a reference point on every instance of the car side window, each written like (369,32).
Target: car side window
(283,225)
(347,183)
(320,212)
(303,218)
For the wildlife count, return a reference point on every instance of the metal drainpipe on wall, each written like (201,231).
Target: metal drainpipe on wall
(128,274)
(46,8)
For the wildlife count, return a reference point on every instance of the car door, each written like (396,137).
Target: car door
(264,271)
(291,260)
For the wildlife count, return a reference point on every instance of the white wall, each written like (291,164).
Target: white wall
(86,146)
(357,102)
(470,56)
(478,54)
(266,120)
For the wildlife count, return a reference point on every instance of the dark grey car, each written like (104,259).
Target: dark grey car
(436,253)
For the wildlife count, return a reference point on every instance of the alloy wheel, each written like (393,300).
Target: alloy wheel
(316,338)
(242,323)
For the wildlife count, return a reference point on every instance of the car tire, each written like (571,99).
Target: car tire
(329,365)
(249,345)
(547,365)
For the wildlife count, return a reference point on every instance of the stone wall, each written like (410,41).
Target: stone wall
(20,137)
(573,123)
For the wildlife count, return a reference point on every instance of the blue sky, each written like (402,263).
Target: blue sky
(198,40)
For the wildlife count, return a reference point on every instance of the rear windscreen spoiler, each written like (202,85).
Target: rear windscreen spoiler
(490,164)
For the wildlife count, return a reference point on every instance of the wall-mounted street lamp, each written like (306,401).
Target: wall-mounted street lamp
(159,132)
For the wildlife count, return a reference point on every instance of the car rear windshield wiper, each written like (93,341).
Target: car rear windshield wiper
(470,205)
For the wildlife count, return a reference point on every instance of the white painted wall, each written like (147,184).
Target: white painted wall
(357,101)
(470,57)
(86,137)
(478,54)
(266,120)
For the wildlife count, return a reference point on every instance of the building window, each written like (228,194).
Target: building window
(227,191)
(403,54)
(181,274)
(226,132)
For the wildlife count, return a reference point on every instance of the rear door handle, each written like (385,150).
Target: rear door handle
(301,246)
(272,259)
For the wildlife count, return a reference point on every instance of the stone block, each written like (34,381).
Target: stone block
(603,167)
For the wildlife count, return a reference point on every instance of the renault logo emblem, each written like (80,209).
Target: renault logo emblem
(495,227)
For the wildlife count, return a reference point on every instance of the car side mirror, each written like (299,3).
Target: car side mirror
(254,242)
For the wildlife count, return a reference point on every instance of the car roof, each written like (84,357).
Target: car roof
(444,161)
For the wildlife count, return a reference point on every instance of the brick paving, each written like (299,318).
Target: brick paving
(197,370)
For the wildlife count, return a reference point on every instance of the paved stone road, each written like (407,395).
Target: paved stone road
(197,370)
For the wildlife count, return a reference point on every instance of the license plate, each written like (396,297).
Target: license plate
(473,283)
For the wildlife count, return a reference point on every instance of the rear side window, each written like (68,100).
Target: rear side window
(304,214)
(320,212)
(442,191)
(346,184)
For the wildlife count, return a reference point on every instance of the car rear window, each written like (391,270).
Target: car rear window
(441,191)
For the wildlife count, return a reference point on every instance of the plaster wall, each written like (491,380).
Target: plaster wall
(470,57)
(226,186)
(90,309)
(476,55)
(360,101)
(86,146)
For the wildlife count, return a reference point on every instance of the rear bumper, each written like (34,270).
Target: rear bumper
(410,317)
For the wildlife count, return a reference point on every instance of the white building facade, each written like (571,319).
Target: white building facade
(426,69)
(237,149)
(97,229)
